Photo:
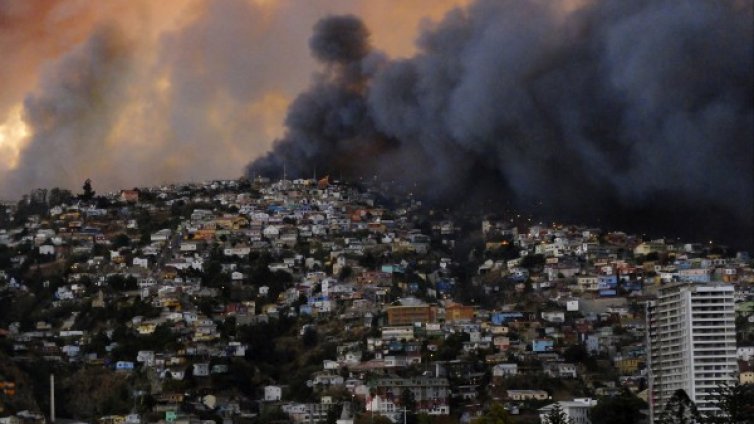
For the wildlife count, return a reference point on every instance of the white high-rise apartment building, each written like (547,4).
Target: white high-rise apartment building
(691,343)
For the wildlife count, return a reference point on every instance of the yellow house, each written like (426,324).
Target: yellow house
(627,365)
(146,328)
(204,234)
(112,419)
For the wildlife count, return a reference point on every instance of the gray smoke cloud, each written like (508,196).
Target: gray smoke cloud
(633,113)
(78,100)
(194,88)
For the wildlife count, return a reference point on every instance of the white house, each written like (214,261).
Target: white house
(46,249)
(201,369)
(142,262)
(383,406)
(745,353)
(162,235)
(502,370)
(273,393)
(577,410)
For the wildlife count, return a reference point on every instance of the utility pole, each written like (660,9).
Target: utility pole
(52,398)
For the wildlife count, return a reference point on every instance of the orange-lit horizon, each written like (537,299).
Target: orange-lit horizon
(135,115)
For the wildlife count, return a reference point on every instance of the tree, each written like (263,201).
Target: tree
(88,192)
(368,418)
(623,409)
(736,403)
(407,399)
(310,337)
(59,196)
(83,396)
(121,240)
(679,409)
(576,353)
(556,415)
(495,415)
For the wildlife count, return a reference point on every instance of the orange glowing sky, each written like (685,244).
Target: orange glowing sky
(169,55)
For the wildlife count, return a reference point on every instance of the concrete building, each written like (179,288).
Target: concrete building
(576,410)
(691,343)
(409,314)
(430,393)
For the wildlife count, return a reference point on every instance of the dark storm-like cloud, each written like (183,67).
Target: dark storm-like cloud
(631,113)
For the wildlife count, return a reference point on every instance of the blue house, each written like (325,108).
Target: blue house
(500,318)
(608,293)
(607,282)
(305,309)
(445,286)
(542,345)
(124,366)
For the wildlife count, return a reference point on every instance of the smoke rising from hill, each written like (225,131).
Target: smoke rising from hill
(631,113)
(145,92)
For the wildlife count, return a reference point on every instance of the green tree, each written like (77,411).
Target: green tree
(121,240)
(369,418)
(59,196)
(83,397)
(407,399)
(736,403)
(88,193)
(679,409)
(556,415)
(495,415)
(623,409)
(310,338)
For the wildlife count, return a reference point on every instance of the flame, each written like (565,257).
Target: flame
(14,133)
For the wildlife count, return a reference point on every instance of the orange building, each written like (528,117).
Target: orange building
(407,315)
(459,313)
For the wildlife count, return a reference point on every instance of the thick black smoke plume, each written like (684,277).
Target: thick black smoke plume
(635,114)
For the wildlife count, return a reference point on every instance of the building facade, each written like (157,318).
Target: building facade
(691,343)
(576,410)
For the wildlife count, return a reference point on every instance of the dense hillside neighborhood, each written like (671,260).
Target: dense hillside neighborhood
(257,301)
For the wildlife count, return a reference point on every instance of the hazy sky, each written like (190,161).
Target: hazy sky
(141,92)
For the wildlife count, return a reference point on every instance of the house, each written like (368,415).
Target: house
(524,395)
(383,406)
(129,196)
(576,410)
(273,393)
(397,333)
(124,366)
(431,394)
(410,313)
(560,370)
(161,235)
(542,345)
(745,353)
(46,249)
(502,343)
(145,356)
(554,316)
(504,370)
(201,369)
(142,262)
(456,312)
